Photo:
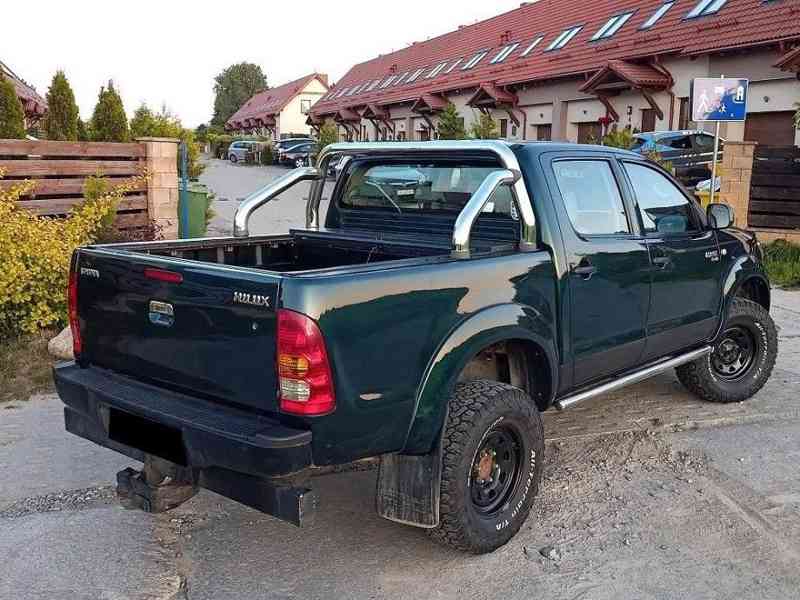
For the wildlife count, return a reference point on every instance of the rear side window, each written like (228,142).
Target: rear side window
(591,196)
(663,207)
(683,142)
(421,187)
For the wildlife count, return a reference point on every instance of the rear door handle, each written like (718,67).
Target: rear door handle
(662,262)
(584,270)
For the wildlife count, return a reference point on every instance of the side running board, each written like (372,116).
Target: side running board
(632,378)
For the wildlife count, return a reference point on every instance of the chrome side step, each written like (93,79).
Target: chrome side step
(636,377)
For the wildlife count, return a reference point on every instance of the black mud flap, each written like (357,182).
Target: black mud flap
(408,489)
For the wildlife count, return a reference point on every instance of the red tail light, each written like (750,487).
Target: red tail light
(304,372)
(72,312)
(161,275)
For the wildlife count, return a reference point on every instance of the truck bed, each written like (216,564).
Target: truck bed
(296,252)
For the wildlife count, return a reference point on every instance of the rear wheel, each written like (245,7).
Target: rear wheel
(492,459)
(741,362)
(299,162)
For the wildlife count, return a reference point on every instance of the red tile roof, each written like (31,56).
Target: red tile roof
(635,74)
(269,103)
(790,61)
(739,23)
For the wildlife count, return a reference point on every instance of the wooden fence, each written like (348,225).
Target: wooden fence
(775,188)
(60,170)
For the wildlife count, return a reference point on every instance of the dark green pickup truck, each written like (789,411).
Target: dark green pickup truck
(456,291)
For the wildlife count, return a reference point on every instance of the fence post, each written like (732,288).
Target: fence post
(737,173)
(161,161)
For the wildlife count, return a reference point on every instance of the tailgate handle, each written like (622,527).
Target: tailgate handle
(161,313)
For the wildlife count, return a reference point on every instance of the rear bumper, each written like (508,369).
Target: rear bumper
(244,456)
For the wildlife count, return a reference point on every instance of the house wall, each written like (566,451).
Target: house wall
(292,120)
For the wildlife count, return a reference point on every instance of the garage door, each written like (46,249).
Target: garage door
(770,129)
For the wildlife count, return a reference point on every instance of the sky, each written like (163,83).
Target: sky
(168,51)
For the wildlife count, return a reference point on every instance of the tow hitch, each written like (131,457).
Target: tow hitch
(159,487)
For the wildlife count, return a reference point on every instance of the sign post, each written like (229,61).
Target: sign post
(718,100)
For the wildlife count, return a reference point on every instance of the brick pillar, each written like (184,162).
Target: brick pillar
(737,172)
(162,188)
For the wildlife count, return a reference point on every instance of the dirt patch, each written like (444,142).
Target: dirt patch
(25,367)
(59,501)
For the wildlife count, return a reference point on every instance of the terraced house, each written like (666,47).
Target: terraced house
(281,111)
(563,69)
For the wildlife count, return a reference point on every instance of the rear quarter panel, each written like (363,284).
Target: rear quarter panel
(384,329)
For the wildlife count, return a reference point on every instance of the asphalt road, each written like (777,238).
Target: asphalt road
(233,183)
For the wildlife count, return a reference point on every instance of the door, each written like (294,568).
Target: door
(770,129)
(648,119)
(609,280)
(589,133)
(685,304)
(544,133)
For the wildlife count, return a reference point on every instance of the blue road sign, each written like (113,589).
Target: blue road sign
(719,99)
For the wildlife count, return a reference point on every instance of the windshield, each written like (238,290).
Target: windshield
(427,187)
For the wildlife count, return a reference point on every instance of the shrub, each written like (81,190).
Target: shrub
(35,253)
(782,261)
(12,117)
(84,135)
(109,122)
(484,128)
(62,114)
(146,123)
(267,154)
(451,124)
(328,134)
(618,138)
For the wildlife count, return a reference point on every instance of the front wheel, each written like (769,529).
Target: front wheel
(741,362)
(299,163)
(492,460)
(233,158)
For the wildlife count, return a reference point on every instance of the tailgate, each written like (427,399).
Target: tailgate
(210,334)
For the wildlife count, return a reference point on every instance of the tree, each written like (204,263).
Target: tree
(451,124)
(797,115)
(109,121)
(84,135)
(233,87)
(484,128)
(328,134)
(12,117)
(146,123)
(62,114)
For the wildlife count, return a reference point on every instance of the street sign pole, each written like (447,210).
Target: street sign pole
(714,164)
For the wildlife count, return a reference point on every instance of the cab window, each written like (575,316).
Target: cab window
(591,196)
(662,206)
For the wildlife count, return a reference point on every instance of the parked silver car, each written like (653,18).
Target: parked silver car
(237,151)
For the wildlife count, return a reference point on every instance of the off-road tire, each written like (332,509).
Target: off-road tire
(700,378)
(475,410)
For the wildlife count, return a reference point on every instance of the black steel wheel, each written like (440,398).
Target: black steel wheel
(742,360)
(492,460)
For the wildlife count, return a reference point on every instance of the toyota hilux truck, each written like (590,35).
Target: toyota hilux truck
(456,290)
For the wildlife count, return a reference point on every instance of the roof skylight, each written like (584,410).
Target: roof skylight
(662,10)
(452,67)
(415,75)
(612,26)
(706,7)
(564,38)
(503,54)
(532,45)
(475,60)
(436,70)
(401,78)
(373,85)
(388,82)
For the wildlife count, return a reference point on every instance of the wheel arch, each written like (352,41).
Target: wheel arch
(745,279)
(522,329)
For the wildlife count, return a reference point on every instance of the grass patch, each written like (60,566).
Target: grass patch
(782,261)
(25,366)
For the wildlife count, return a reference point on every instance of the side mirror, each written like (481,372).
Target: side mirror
(720,216)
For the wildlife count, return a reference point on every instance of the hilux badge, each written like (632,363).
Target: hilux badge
(251,299)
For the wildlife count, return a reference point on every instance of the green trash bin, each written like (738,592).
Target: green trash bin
(197,200)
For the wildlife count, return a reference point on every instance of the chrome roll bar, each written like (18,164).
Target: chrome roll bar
(472,210)
(258,199)
(501,150)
